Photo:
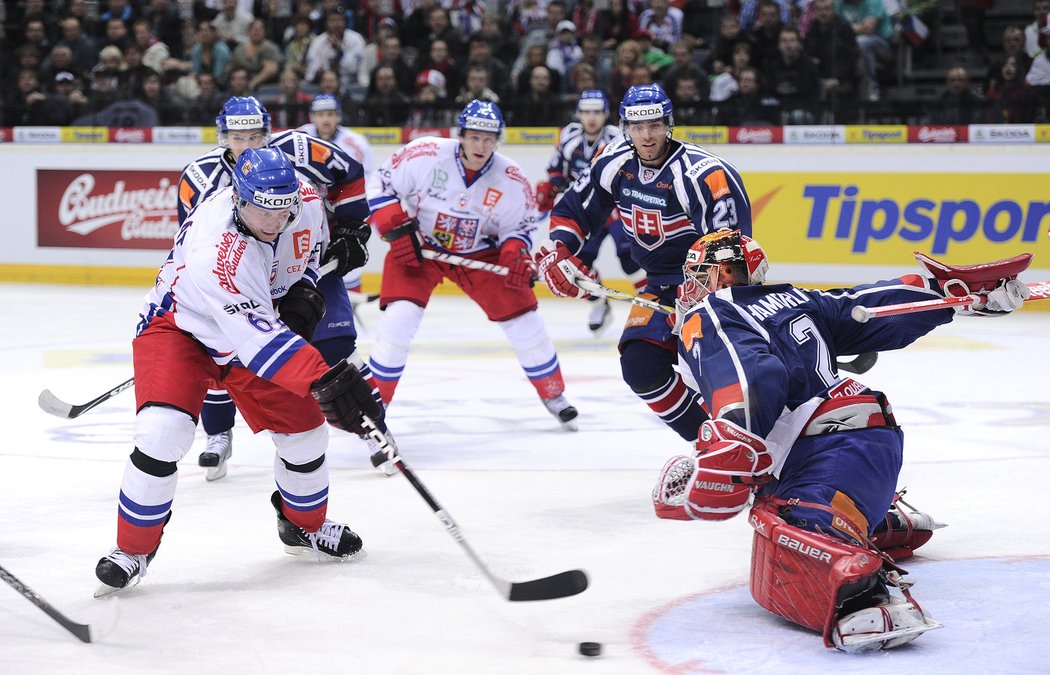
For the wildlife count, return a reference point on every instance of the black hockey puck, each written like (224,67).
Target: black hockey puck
(590,648)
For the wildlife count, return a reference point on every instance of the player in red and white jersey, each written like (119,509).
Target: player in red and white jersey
(326,123)
(236,302)
(460,196)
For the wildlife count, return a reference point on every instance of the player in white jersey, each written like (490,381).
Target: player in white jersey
(244,123)
(578,144)
(233,303)
(460,196)
(326,123)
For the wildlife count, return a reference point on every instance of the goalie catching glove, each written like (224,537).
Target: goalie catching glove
(729,464)
(521,269)
(349,246)
(560,269)
(345,398)
(996,283)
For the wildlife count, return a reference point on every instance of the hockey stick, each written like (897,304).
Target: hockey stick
(82,631)
(50,403)
(1040,291)
(561,585)
(597,289)
(860,365)
(451,259)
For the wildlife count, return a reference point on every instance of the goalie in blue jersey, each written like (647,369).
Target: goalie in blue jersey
(820,452)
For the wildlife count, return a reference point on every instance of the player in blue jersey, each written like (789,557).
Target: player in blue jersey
(578,144)
(244,123)
(221,310)
(668,193)
(822,452)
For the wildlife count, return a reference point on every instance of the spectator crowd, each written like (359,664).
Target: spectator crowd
(141,63)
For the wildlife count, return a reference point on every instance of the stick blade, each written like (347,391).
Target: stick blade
(861,364)
(50,403)
(560,585)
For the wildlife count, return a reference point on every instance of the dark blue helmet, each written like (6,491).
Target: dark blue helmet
(241,112)
(481,116)
(266,179)
(645,102)
(325,102)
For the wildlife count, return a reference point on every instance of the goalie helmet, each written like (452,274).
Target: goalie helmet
(646,102)
(481,116)
(719,260)
(241,113)
(265,179)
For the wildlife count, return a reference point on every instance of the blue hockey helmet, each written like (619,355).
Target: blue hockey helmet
(481,116)
(241,113)
(646,102)
(266,179)
(325,102)
(592,100)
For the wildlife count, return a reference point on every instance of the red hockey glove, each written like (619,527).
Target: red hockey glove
(546,193)
(731,462)
(996,281)
(559,269)
(521,269)
(401,232)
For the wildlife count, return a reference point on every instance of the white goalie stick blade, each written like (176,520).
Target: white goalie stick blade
(50,403)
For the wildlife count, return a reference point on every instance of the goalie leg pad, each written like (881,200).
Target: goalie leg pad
(903,530)
(803,576)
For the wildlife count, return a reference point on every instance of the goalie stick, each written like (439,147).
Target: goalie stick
(80,630)
(561,585)
(1040,291)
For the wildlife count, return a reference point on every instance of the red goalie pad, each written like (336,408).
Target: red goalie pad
(804,576)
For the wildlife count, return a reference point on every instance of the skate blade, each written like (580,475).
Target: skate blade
(323,557)
(875,641)
(215,472)
(570,425)
(105,590)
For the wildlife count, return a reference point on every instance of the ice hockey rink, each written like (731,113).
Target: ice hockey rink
(665,597)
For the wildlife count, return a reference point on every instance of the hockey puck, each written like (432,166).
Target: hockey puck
(590,648)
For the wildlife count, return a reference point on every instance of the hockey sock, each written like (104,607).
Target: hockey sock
(301,472)
(397,327)
(218,411)
(647,370)
(146,495)
(535,351)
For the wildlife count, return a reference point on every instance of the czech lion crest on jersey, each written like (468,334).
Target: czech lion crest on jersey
(455,233)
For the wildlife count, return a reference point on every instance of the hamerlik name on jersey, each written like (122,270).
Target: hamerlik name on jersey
(770,304)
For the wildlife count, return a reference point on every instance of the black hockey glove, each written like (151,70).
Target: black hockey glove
(301,309)
(348,246)
(345,397)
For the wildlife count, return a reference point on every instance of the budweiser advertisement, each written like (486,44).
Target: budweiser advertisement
(756,134)
(106,209)
(932,133)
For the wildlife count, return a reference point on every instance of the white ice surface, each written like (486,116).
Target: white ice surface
(669,597)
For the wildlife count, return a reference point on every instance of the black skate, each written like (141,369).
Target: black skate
(563,410)
(118,570)
(333,539)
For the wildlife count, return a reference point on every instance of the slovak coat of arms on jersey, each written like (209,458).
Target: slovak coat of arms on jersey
(455,233)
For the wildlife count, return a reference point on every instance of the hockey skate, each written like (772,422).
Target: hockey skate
(334,540)
(118,570)
(890,623)
(904,531)
(599,315)
(218,450)
(562,410)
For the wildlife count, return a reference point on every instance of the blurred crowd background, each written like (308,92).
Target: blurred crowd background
(142,63)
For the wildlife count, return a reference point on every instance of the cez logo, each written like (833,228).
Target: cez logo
(947,221)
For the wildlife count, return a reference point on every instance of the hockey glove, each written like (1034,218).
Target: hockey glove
(345,397)
(348,246)
(560,269)
(730,463)
(405,246)
(995,281)
(546,193)
(521,269)
(301,309)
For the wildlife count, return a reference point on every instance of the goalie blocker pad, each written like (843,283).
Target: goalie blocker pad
(806,577)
